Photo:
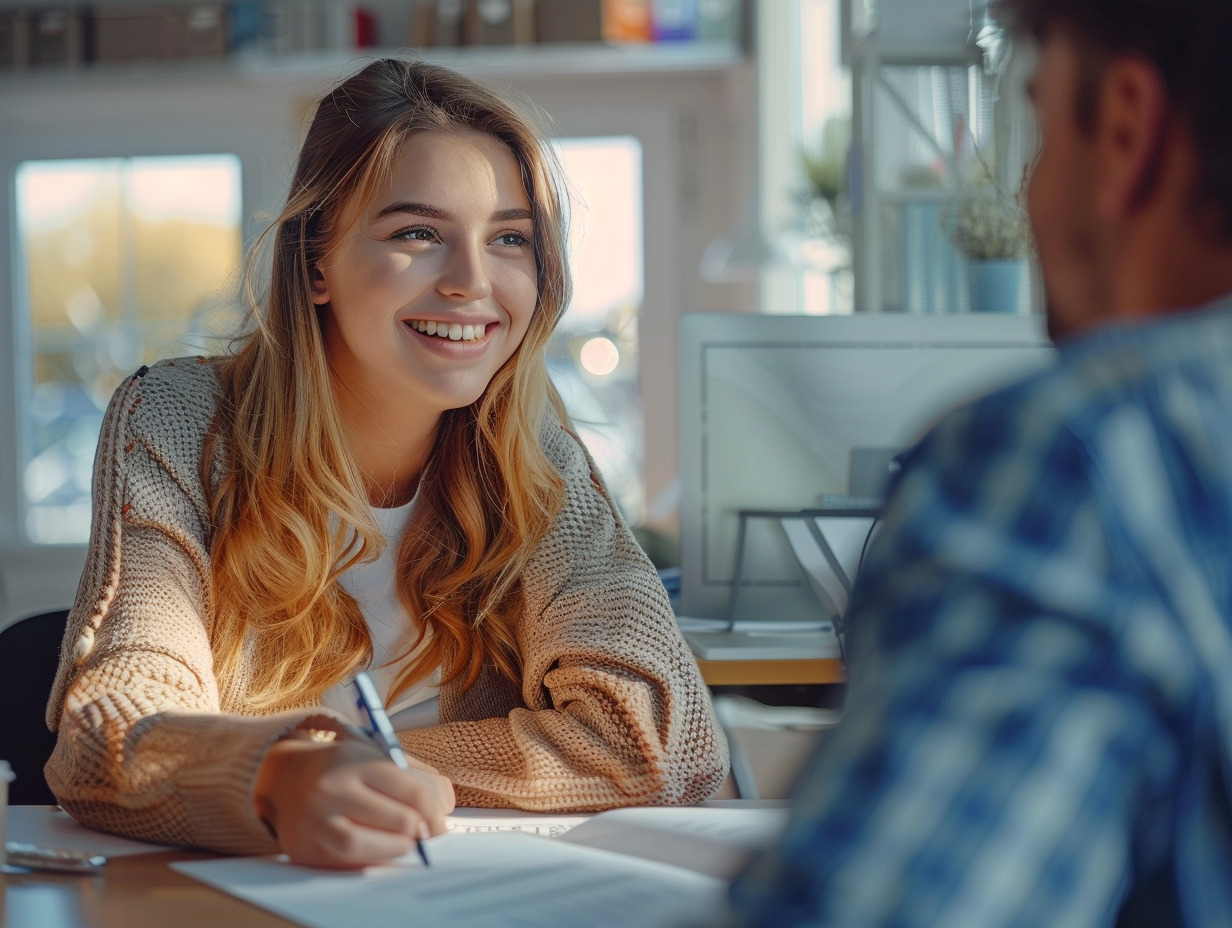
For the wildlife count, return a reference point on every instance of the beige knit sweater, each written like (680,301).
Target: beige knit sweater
(611,710)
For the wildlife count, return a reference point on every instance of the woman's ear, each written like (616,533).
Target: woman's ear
(320,289)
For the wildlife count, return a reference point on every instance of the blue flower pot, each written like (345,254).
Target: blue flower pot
(994,286)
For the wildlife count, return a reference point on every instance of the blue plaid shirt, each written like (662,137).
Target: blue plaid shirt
(1038,729)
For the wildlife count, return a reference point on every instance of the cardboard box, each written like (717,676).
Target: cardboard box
(14,40)
(202,30)
(499,22)
(57,38)
(437,23)
(423,24)
(569,20)
(164,31)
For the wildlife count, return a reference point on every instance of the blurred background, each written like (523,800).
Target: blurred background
(773,156)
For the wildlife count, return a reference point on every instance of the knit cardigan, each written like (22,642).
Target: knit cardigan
(611,710)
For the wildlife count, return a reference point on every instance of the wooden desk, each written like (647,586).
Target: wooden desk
(770,673)
(141,891)
(134,892)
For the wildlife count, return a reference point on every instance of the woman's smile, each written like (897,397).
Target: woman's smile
(451,339)
(454,331)
(444,252)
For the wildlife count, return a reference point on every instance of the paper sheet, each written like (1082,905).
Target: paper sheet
(486,821)
(54,828)
(505,880)
(716,842)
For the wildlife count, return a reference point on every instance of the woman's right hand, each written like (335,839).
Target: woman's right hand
(344,804)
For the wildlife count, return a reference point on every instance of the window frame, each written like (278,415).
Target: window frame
(64,142)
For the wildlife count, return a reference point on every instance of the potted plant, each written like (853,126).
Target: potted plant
(991,231)
(825,174)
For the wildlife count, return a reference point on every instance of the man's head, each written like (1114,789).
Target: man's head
(1134,99)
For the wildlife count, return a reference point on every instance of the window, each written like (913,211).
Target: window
(594,363)
(825,102)
(128,260)
(125,260)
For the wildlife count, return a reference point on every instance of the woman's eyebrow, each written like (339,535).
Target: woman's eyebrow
(505,215)
(434,212)
(418,209)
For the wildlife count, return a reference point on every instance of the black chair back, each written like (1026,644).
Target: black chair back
(29,655)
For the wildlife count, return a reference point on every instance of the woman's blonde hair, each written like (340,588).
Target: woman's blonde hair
(289,508)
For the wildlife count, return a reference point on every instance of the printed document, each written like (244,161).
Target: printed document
(475,881)
(649,867)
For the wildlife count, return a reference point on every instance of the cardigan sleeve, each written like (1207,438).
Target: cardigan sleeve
(143,748)
(613,708)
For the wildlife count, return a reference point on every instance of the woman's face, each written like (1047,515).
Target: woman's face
(433,284)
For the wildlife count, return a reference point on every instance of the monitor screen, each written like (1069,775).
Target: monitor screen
(786,413)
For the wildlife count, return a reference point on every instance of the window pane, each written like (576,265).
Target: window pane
(594,364)
(123,258)
(70,214)
(186,232)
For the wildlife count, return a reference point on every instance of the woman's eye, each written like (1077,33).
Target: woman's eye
(512,239)
(417,234)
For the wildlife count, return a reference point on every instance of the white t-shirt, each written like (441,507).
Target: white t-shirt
(392,631)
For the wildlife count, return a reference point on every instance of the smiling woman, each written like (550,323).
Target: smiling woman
(445,244)
(380,477)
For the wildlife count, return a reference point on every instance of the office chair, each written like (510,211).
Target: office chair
(29,654)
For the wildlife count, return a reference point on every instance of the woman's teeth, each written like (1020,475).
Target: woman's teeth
(454,332)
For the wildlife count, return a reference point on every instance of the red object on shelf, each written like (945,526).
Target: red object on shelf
(365,28)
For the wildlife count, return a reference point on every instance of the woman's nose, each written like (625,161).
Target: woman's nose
(464,275)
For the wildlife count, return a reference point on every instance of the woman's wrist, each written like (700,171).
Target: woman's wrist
(285,750)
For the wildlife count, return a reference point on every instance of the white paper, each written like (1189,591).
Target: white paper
(53,828)
(487,821)
(716,842)
(475,881)
(742,827)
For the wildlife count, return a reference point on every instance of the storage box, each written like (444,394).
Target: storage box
(437,23)
(57,38)
(499,22)
(626,20)
(14,40)
(569,20)
(165,31)
(201,30)
(721,20)
(673,20)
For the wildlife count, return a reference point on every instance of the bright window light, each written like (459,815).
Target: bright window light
(594,362)
(126,260)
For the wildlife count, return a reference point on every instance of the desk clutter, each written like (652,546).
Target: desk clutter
(636,866)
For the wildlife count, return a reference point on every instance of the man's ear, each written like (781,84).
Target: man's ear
(1131,127)
(320,290)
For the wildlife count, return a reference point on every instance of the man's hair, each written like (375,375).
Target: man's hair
(1187,41)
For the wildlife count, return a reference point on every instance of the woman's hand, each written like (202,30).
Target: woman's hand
(344,804)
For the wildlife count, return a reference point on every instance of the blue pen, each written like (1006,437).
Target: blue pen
(382,732)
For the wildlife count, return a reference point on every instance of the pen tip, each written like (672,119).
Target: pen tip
(424,835)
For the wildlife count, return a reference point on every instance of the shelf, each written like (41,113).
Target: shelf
(509,61)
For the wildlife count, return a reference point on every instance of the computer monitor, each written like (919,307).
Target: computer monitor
(783,413)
